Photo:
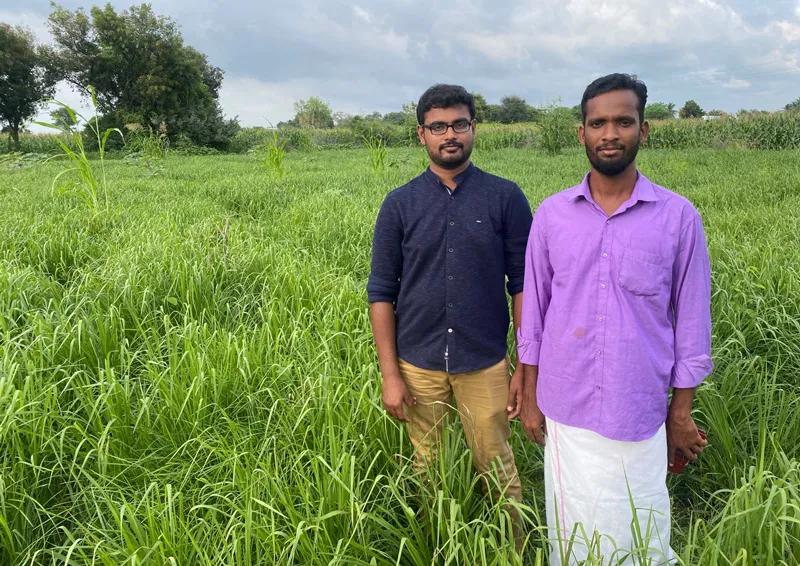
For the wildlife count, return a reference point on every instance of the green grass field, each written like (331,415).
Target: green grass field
(190,378)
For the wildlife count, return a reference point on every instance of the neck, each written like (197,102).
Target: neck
(447,176)
(619,187)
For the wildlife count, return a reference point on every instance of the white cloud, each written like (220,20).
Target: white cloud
(365,56)
(790,31)
(31,20)
(736,83)
(258,103)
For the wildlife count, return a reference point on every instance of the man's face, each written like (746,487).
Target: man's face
(448,149)
(612,131)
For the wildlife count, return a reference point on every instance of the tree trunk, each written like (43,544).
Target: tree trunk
(15,136)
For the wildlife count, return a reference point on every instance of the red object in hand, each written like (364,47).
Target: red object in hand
(680,458)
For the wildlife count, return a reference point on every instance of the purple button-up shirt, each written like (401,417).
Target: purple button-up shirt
(616,309)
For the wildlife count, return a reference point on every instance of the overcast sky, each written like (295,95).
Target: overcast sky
(369,56)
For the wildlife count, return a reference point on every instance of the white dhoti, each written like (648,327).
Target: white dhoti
(592,484)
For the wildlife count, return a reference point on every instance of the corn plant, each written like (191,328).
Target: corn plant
(377,152)
(79,178)
(275,155)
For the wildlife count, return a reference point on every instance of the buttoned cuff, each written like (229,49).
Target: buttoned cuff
(528,350)
(689,373)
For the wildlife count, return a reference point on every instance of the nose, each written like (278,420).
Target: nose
(610,132)
(450,133)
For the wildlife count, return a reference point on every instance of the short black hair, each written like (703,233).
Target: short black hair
(615,81)
(444,96)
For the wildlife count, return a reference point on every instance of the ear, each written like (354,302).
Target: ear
(644,131)
(582,134)
(421,134)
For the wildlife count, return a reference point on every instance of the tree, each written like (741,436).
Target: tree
(25,79)
(577,113)
(313,113)
(410,114)
(793,106)
(658,111)
(720,113)
(62,118)
(396,118)
(341,119)
(141,70)
(482,108)
(514,109)
(691,110)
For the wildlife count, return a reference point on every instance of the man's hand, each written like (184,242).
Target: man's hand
(532,419)
(515,393)
(395,395)
(682,434)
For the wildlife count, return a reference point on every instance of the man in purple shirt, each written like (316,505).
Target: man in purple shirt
(616,311)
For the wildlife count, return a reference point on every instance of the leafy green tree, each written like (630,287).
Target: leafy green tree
(514,109)
(691,110)
(659,111)
(26,79)
(141,70)
(793,106)
(62,118)
(313,113)
(558,127)
(482,108)
(396,118)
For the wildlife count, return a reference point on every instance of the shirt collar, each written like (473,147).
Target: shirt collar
(459,179)
(642,191)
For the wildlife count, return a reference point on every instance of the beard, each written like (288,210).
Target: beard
(614,166)
(447,160)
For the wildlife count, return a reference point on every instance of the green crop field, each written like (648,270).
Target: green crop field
(189,378)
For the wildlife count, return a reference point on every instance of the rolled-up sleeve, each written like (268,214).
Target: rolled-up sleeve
(516,227)
(691,303)
(387,255)
(536,291)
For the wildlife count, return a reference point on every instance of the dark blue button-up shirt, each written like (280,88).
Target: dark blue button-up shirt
(443,260)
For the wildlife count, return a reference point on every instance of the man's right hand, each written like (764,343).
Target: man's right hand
(395,396)
(531,418)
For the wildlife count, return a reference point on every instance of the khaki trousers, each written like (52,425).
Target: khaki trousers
(482,401)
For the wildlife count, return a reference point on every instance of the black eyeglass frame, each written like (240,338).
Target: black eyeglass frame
(467,126)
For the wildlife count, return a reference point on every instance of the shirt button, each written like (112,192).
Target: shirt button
(599,353)
(450,330)
(452,224)
(602,285)
(597,387)
(450,278)
(599,319)
(605,254)
(608,221)
(451,250)
(450,305)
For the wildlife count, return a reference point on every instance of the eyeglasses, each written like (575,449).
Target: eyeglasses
(439,128)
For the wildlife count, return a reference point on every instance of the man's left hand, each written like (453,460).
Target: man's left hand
(682,434)
(515,393)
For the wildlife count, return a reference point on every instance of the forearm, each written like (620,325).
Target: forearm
(681,405)
(516,316)
(383,330)
(530,377)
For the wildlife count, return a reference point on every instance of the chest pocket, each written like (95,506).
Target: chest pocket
(645,274)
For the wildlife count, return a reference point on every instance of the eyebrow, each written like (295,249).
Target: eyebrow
(615,118)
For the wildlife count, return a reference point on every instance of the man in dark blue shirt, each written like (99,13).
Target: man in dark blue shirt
(446,247)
